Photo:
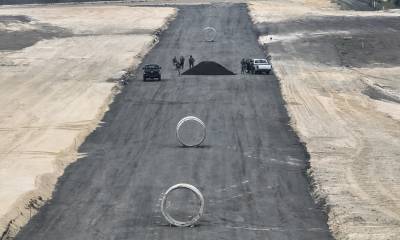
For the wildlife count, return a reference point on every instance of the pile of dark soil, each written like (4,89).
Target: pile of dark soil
(208,68)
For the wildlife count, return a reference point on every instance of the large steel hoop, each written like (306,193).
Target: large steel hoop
(175,222)
(210,34)
(197,120)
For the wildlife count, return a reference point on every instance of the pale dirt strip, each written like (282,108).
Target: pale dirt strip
(54,93)
(85,19)
(353,140)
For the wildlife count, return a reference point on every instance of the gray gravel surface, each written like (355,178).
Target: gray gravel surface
(251,168)
(359,5)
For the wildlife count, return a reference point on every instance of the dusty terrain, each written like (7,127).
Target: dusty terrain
(250,169)
(339,73)
(58,71)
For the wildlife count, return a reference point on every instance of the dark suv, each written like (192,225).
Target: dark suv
(152,71)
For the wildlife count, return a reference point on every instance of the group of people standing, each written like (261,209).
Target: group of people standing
(180,64)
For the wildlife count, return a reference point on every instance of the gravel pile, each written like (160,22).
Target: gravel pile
(208,68)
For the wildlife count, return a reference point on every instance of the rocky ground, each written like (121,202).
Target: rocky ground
(339,73)
(59,67)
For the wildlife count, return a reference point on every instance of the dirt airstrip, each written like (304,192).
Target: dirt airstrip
(250,169)
(339,75)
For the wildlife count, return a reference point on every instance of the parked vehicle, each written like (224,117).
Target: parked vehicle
(261,66)
(151,71)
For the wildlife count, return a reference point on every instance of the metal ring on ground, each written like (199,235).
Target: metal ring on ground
(210,34)
(191,118)
(181,223)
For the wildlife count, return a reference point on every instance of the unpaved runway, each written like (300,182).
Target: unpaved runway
(251,169)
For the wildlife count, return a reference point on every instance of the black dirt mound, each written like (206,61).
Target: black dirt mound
(208,68)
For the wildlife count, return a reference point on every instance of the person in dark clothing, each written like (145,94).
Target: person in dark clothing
(249,66)
(191,61)
(182,61)
(178,67)
(243,64)
(174,61)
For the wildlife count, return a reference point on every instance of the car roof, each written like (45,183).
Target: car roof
(151,65)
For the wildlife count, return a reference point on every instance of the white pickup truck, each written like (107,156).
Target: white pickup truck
(261,66)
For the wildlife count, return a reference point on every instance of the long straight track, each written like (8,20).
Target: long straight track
(251,169)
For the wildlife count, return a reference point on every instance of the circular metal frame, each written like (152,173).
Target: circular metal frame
(210,34)
(175,222)
(191,118)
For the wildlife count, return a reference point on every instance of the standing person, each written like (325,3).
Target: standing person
(182,61)
(178,67)
(174,61)
(243,65)
(248,66)
(191,61)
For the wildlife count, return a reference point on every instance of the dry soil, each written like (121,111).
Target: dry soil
(59,67)
(339,74)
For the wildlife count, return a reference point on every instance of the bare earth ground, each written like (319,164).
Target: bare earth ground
(251,168)
(58,66)
(340,76)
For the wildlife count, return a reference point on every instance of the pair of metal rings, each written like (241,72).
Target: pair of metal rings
(186,186)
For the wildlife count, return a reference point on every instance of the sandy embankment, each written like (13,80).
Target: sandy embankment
(55,92)
(342,99)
